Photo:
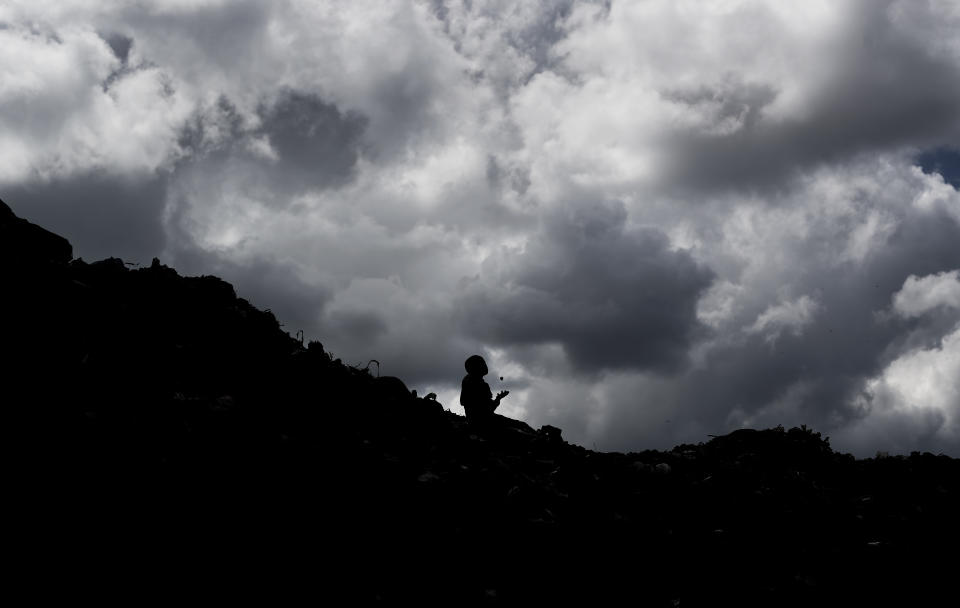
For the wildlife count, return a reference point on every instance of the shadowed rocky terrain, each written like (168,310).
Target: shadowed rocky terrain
(169,440)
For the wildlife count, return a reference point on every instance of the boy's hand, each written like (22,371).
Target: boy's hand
(502,394)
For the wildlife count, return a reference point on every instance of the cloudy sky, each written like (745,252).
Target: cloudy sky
(657,219)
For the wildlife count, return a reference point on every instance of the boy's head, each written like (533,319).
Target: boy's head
(476,365)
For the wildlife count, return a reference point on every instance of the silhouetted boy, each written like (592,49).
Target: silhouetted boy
(475,394)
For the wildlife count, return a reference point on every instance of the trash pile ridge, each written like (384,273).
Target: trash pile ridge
(166,436)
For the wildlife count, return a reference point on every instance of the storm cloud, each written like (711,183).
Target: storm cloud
(611,298)
(657,220)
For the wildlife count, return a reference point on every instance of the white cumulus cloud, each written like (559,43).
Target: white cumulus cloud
(920,295)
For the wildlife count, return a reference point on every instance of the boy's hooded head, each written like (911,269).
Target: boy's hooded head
(475,365)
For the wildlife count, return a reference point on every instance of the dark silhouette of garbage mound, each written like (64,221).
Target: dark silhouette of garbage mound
(165,434)
(24,245)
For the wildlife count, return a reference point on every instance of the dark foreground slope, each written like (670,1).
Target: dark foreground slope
(168,439)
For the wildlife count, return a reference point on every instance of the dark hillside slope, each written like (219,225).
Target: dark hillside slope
(167,437)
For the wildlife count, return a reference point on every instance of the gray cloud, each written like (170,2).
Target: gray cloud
(222,34)
(885,90)
(612,298)
(318,145)
(120,45)
(298,144)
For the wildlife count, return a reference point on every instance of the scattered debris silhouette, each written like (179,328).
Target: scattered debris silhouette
(167,435)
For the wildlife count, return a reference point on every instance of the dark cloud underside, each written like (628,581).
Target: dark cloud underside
(317,144)
(612,298)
